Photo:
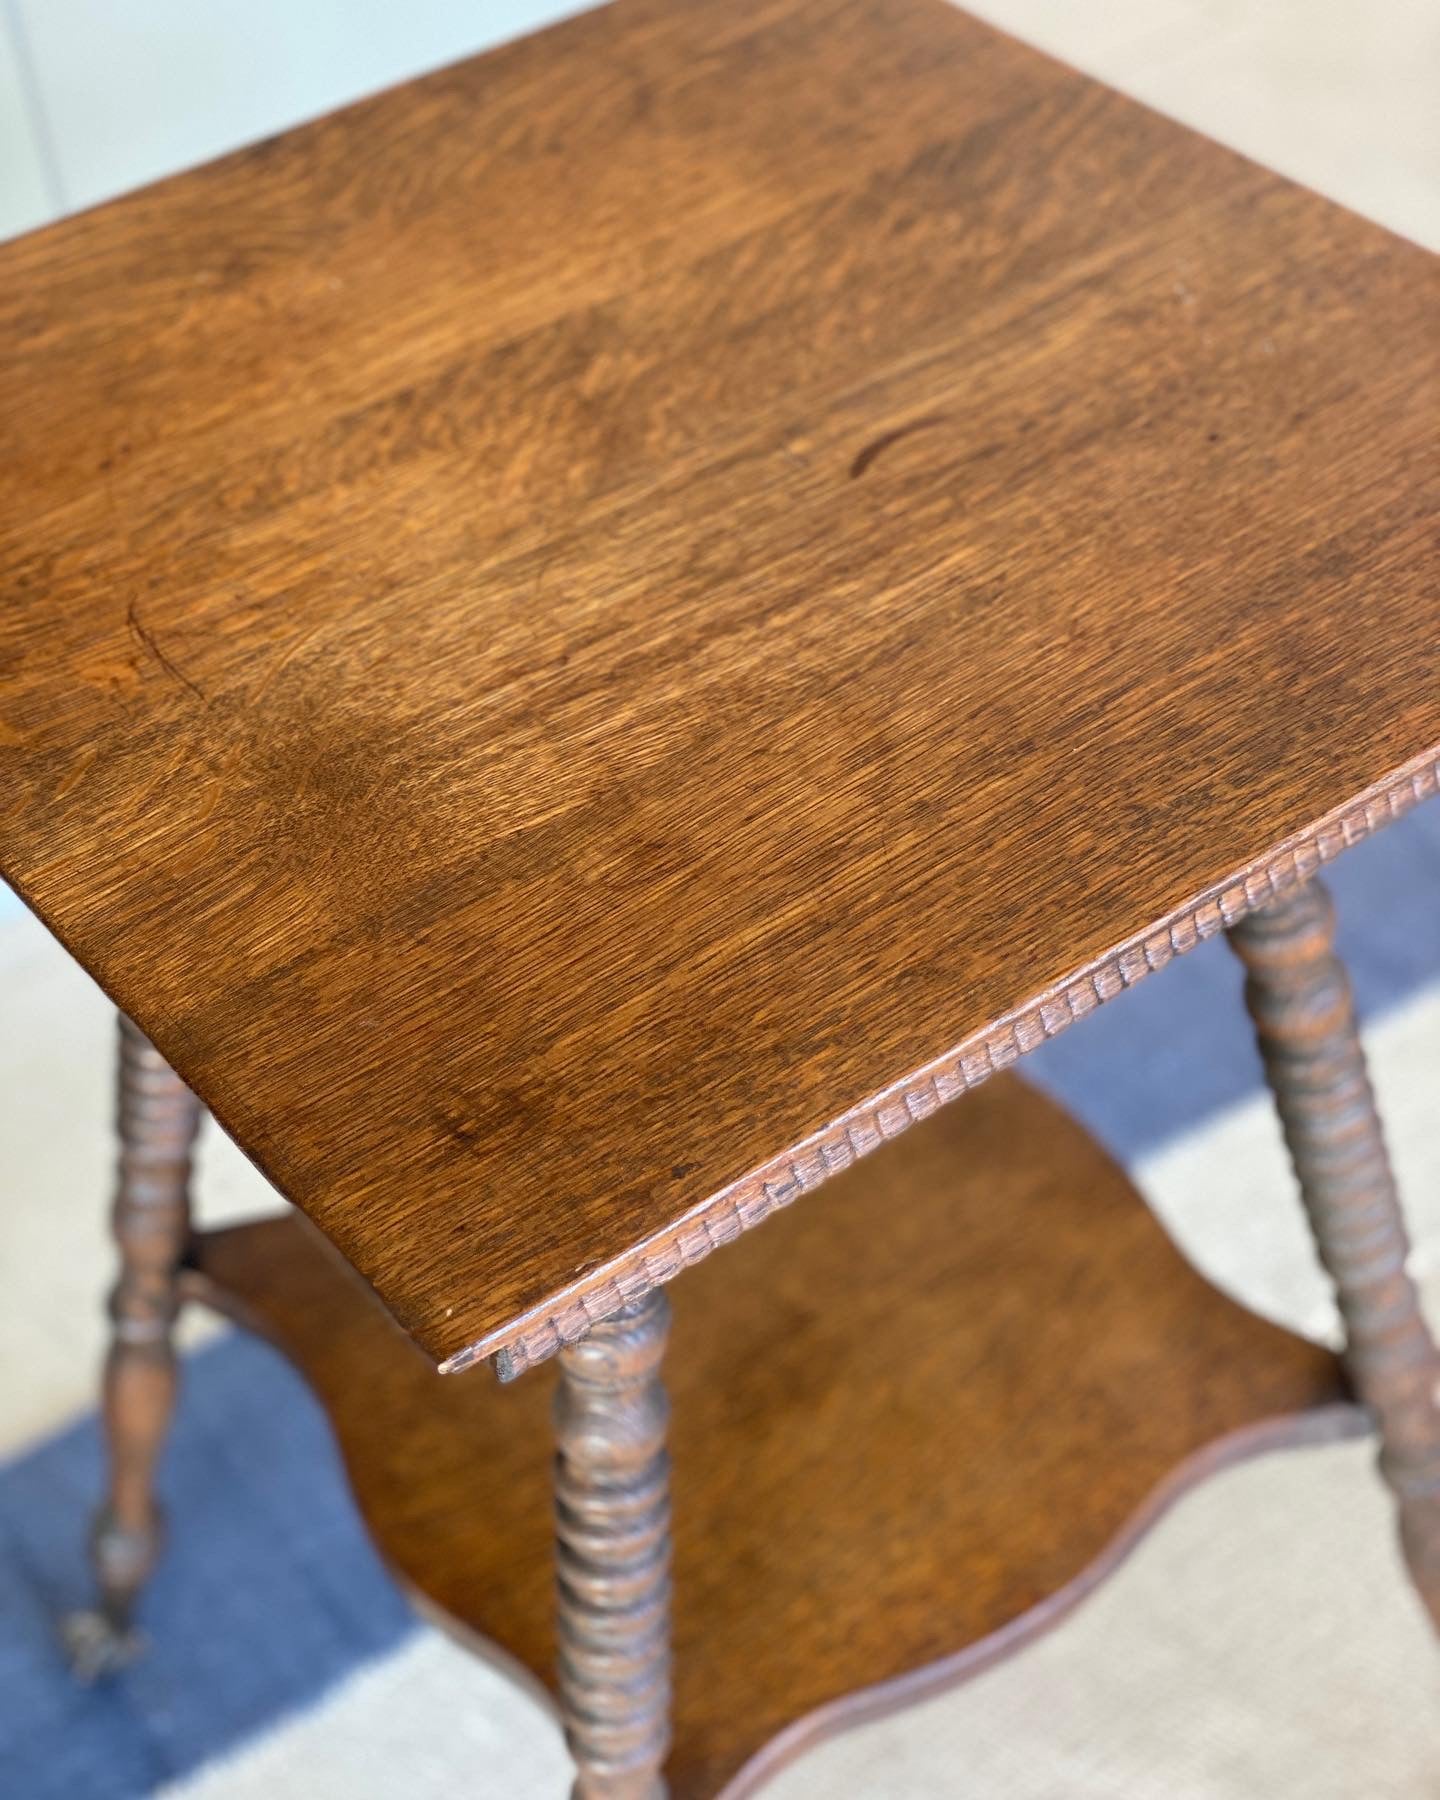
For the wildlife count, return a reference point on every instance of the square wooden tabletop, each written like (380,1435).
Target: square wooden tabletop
(586,638)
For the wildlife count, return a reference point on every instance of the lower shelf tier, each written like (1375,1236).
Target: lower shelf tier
(897,1453)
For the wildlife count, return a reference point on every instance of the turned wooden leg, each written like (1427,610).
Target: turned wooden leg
(612,1478)
(1299,998)
(157,1120)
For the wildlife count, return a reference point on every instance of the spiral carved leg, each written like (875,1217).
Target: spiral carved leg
(158,1117)
(613,1529)
(1299,998)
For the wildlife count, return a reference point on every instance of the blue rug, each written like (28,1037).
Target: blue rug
(269,1591)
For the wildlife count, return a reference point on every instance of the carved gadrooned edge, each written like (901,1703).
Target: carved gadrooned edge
(567,1316)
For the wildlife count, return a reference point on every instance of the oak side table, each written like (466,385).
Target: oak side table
(591,640)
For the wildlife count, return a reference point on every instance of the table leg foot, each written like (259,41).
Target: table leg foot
(158,1117)
(96,1646)
(613,1542)
(1299,998)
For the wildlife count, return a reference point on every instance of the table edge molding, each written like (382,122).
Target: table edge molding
(566,1316)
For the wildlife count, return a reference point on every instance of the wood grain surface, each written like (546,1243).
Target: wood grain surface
(887,1447)
(573,626)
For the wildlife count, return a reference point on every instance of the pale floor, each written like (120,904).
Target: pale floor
(1260,1644)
